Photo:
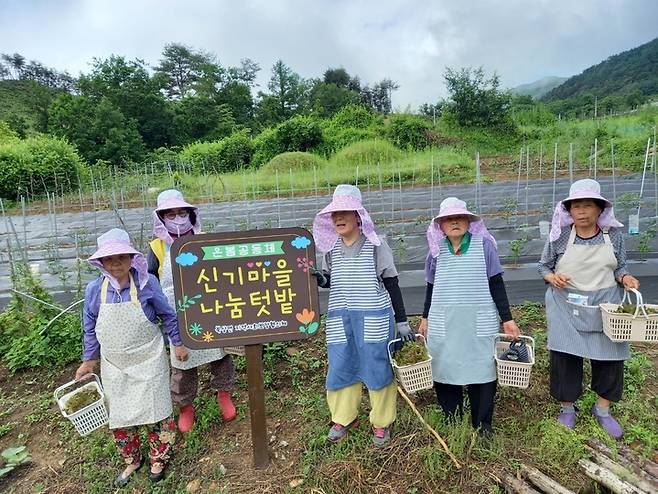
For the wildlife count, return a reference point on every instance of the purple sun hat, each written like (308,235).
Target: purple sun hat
(452,206)
(582,189)
(115,242)
(171,199)
(346,198)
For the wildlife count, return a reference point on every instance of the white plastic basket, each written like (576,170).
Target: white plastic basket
(235,350)
(514,374)
(89,418)
(630,327)
(416,376)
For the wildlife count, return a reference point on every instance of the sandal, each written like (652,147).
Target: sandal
(122,481)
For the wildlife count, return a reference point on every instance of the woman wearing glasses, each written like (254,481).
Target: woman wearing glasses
(173,218)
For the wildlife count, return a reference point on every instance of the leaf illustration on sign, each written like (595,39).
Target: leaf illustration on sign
(306,318)
(187,302)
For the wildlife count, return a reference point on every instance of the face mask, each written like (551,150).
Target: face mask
(178,225)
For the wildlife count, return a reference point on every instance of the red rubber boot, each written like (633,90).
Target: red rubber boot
(186,418)
(226,405)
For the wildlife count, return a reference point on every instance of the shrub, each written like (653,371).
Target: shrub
(408,132)
(336,139)
(236,152)
(202,155)
(299,134)
(368,152)
(6,133)
(266,147)
(356,117)
(295,160)
(37,164)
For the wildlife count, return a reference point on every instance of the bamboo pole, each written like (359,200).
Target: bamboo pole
(544,482)
(605,477)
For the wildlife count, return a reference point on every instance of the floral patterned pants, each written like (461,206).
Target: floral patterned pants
(161,438)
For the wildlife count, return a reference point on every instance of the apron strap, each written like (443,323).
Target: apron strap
(606,237)
(572,235)
(133,290)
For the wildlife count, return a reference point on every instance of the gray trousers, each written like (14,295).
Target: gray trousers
(184,383)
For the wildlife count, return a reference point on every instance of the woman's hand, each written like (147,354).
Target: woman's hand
(181,353)
(630,282)
(86,367)
(422,329)
(511,329)
(557,280)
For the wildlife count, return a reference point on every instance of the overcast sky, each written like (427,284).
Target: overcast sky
(409,41)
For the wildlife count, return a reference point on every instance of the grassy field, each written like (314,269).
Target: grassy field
(216,458)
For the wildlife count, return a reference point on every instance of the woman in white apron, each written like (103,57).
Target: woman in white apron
(172,218)
(465,296)
(365,307)
(584,262)
(120,323)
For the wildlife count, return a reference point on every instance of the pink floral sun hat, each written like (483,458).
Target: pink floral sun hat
(346,198)
(452,206)
(115,242)
(582,189)
(172,199)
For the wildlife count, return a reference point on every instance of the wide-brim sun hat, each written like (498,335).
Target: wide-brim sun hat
(585,188)
(172,199)
(346,197)
(453,206)
(116,242)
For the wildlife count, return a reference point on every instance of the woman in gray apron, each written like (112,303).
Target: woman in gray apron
(120,322)
(584,263)
(172,218)
(364,303)
(464,298)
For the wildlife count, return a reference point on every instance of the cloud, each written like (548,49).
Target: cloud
(186,259)
(408,41)
(300,242)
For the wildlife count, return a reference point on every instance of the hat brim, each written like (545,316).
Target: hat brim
(112,249)
(576,197)
(174,203)
(470,216)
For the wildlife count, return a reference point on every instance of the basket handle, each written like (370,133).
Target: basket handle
(388,348)
(58,391)
(639,301)
(502,336)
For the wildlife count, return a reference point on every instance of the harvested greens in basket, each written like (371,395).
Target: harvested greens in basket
(630,309)
(411,352)
(81,399)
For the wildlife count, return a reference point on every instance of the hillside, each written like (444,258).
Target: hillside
(25,100)
(540,87)
(635,70)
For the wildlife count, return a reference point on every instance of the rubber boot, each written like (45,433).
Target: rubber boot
(226,405)
(186,418)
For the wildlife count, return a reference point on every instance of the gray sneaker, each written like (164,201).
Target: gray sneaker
(381,436)
(338,432)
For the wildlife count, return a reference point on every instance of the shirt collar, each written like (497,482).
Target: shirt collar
(463,246)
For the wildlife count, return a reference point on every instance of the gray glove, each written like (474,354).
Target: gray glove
(404,331)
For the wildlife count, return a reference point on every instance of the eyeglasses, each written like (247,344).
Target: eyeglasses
(171,215)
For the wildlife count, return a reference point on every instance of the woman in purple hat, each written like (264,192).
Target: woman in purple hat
(174,217)
(465,296)
(120,322)
(364,303)
(584,262)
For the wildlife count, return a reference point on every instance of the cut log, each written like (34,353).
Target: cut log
(517,486)
(641,483)
(605,477)
(544,482)
(628,459)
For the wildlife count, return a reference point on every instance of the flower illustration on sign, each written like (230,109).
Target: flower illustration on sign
(306,264)
(196,329)
(208,337)
(306,318)
(186,259)
(300,242)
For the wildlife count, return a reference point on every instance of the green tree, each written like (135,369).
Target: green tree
(287,92)
(327,99)
(201,119)
(180,68)
(378,97)
(476,101)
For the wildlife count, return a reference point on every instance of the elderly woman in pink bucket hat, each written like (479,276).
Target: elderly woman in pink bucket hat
(365,307)
(584,263)
(121,312)
(174,217)
(464,299)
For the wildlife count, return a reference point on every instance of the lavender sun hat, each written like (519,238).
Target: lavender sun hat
(115,242)
(171,199)
(582,189)
(346,198)
(452,206)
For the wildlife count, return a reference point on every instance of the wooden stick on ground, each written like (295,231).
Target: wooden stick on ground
(429,428)
(643,468)
(623,473)
(607,478)
(544,482)
(512,484)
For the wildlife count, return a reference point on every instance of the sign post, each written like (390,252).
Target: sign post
(246,288)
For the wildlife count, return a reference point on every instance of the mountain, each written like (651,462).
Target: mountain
(25,102)
(632,71)
(539,88)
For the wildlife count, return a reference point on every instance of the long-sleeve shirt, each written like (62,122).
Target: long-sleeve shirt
(154,304)
(553,251)
(494,275)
